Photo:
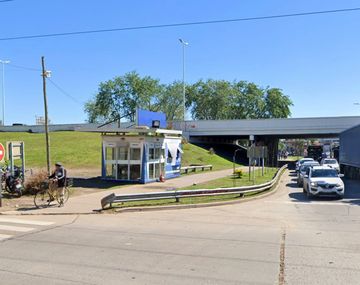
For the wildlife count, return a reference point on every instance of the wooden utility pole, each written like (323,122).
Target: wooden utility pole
(44,76)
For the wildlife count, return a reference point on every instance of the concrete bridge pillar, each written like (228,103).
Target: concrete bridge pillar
(272,144)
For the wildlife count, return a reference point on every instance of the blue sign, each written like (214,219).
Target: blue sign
(146,118)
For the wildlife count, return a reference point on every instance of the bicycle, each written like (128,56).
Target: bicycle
(44,196)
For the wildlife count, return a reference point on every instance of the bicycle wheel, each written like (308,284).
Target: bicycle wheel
(65,198)
(42,199)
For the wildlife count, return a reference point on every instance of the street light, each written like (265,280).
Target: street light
(3,62)
(184,44)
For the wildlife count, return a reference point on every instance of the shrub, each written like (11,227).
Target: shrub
(238,173)
(211,151)
(36,180)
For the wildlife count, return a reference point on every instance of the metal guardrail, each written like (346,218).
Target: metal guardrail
(178,194)
(195,167)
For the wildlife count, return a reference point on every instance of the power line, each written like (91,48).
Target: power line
(64,92)
(24,67)
(50,80)
(181,24)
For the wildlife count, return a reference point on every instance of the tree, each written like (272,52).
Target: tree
(170,101)
(209,99)
(277,105)
(219,99)
(121,96)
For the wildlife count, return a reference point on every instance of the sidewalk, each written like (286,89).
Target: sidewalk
(86,204)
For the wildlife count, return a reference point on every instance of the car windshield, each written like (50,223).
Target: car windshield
(330,161)
(324,173)
(306,160)
(305,167)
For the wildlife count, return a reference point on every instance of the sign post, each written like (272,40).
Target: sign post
(16,150)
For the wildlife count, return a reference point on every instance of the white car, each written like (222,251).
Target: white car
(323,181)
(301,161)
(302,171)
(331,162)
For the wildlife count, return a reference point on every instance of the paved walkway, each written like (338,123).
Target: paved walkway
(85,204)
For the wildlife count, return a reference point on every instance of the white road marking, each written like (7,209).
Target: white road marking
(15,228)
(2,237)
(25,222)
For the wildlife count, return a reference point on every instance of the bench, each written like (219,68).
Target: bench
(193,168)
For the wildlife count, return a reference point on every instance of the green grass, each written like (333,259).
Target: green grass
(197,155)
(80,149)
(230,181)
(217,183)
(74,149)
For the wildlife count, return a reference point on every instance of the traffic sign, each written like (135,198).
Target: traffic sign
(2,152)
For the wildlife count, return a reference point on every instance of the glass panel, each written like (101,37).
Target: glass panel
(157,170)
(158,152)
(122,172)
(151,171)
(110,153)
(122,153)
(110,170)
(135,153)
(135,172)
(151,153)
(169,158)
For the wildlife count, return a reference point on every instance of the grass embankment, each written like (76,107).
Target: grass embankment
(83,150)
(224,182)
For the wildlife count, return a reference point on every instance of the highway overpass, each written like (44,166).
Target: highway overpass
(265,131)
(281,128)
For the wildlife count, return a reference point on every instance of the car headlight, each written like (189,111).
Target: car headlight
(314,184)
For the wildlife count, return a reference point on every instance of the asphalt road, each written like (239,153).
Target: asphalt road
(281,239)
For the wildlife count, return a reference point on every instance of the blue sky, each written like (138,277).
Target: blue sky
(314,59)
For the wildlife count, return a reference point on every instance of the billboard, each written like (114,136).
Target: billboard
(146,118)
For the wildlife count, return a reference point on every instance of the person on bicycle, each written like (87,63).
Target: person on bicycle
(57,181)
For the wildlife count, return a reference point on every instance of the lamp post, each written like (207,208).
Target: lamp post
(3,62)
(184,44)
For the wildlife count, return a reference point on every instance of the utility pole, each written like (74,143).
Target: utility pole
(44,75)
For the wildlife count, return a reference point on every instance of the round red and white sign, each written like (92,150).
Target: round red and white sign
(2,152)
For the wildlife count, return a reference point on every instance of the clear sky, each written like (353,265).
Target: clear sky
(314,59)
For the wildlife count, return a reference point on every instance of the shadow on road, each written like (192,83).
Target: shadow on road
(352,194)
(95,182)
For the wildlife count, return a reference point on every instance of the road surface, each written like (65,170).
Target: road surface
(281,239)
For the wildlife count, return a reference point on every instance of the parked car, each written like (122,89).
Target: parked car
(303,169)
(301,161)
(323,181)
(331,162)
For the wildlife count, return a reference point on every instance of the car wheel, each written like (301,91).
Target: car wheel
(308,195)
